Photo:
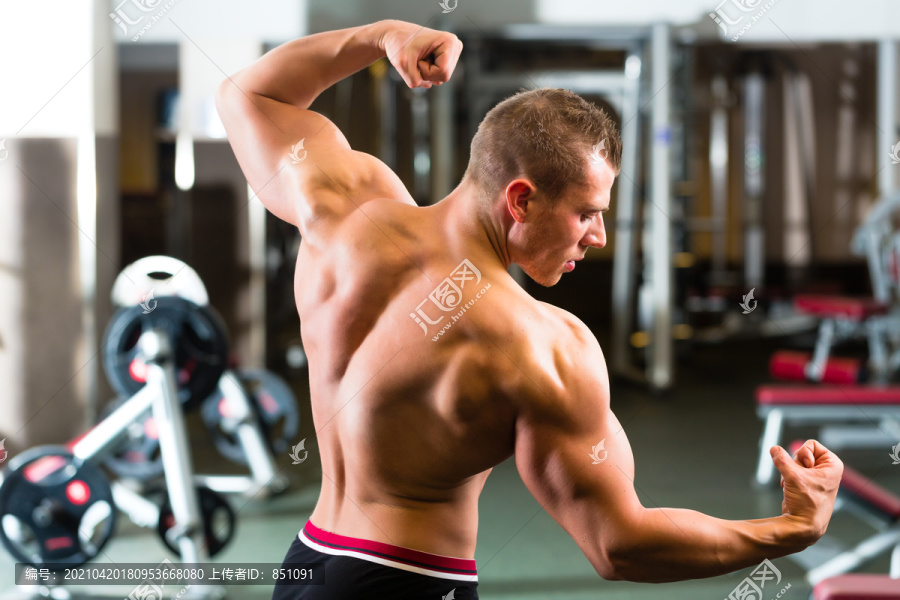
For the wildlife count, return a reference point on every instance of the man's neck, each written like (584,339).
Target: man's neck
(485,227)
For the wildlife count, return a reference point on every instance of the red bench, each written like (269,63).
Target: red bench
(828,576)
(880,499)
(842,317)
(858,587)
(818,405)
(840,307)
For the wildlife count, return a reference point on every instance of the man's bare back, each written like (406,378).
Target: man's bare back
(411,414)
(409,427)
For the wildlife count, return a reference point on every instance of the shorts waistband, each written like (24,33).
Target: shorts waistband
(432,565)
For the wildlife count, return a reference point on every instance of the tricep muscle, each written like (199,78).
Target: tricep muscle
(299,164)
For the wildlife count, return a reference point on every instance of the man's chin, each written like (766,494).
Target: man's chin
(544,279)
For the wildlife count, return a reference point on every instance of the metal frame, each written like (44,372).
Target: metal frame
(263,477)
(160,396)
(754,179)
(887,111)
(822,566)
(777,416)
(624,275)
(873,239)
(659,267)
(718,175)
(621,88)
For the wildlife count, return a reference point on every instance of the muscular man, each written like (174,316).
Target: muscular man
(428,363)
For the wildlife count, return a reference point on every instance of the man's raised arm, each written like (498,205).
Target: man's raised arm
(297,161)
(575,459)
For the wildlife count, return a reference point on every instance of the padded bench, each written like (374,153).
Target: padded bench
(818,404)
(858,586)
(880,505)
(881,509)
(840,307)
(841,318)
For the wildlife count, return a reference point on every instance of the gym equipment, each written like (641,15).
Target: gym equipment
(218,518)
(274,404)
(491,76)
(842,318)
(873,504)
(251,416)
(57,510)
(858,586)
(274,409)
(138,456)
(249,431)
(797,405)
(156,348)
(877,506)
(143,280)
(198,336)
(799,366)
(712,299)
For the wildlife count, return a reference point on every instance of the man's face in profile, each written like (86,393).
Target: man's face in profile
(560,231)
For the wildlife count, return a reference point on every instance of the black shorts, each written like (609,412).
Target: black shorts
(354,568)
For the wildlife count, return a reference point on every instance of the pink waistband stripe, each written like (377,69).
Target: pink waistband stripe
(388,553)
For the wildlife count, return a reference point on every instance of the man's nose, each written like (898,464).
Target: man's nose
(596,234)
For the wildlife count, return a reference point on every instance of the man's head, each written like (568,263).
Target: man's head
(547,160)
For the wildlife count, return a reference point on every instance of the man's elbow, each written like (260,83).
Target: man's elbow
(222,93)
(225,92)
(606,570)
(621,562)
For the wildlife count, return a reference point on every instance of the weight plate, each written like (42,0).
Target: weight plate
(219,522)
(56,511)
(198,338)
(154,276)
(138,456)
(275,406)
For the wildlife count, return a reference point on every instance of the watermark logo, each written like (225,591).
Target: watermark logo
(150,590)
(450,596)
(745,304)
(4,153)
(751,588)
(122,19)
(147,589)
(445,4)
(295,452)
(146,304)
(599,151)
(447,297)
(295,152)
(3,452)
(895,454)
(895,152)
(125,19)
(595,453)
(733,17)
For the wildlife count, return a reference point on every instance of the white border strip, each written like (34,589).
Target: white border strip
(383,561)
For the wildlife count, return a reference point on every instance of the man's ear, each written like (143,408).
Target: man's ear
(519,193)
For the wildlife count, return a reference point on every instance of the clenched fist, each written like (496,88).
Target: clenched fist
(810,480)
(423,57)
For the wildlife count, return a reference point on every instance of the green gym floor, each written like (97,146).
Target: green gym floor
(694,448)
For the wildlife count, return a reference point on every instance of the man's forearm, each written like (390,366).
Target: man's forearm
(676,544)
(298,71)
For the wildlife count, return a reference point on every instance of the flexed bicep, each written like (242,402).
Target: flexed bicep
(299,164)
(575,459)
